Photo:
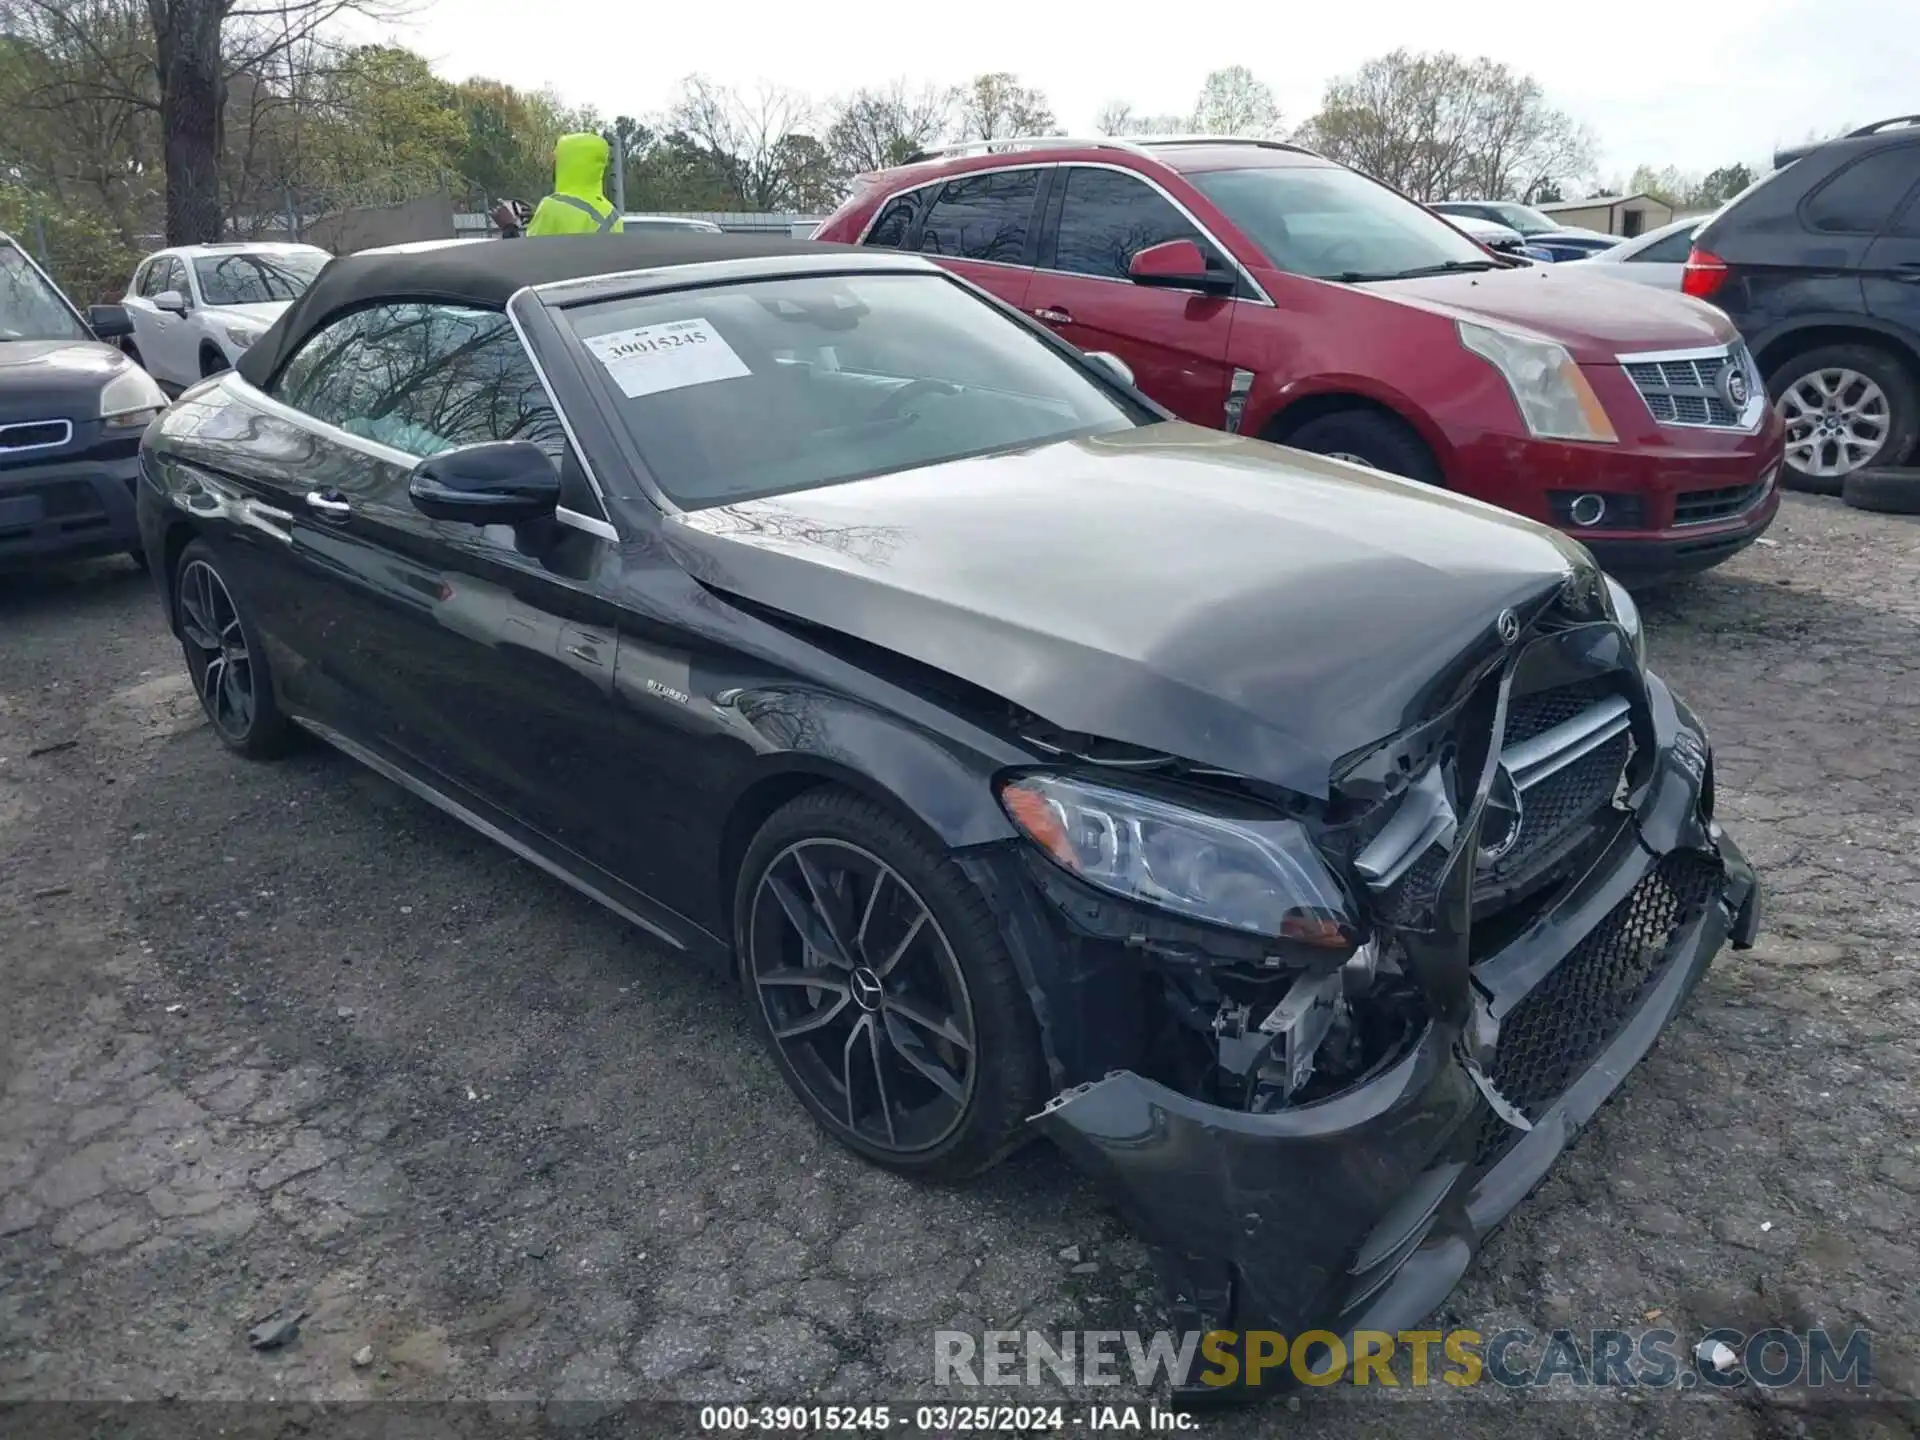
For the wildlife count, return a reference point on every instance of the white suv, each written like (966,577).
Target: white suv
(195,308)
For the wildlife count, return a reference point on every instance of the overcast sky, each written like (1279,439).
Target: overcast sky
(1692,85)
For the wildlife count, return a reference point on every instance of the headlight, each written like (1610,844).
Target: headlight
(1554,397)
(243,333)
(1258,875)
(130,399)
(1628,614)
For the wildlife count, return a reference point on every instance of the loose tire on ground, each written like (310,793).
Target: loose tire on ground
(1004,1084)
(1886,491)
(1383,442)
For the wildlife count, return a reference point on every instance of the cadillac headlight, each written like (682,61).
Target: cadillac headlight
(1258,874)
(1627,613)
(1553,394)
(130,399)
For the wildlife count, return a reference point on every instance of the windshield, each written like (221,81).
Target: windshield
(30,308)
(1336,224)
(738,391)
(1523,218)
(254,276)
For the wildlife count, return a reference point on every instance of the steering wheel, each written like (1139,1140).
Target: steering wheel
(888,408)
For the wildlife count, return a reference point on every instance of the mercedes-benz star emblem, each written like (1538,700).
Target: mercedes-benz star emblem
(1507,627)
(1734,387)
(866,988)
(1501,821)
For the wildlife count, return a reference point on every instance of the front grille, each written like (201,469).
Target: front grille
(1559,807)
(1555,1033)
(1563,752)
(1531,715)
(1687,391)
(1703,507)
(35,435)
(1562,755)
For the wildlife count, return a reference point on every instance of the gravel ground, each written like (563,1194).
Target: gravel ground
(284,1036)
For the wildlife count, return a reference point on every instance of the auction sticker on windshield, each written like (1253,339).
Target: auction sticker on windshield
(671,356)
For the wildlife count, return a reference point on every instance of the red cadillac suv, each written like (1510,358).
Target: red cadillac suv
(1260,288)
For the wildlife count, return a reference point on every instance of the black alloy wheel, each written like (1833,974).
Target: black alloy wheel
(876,977)
(228,672)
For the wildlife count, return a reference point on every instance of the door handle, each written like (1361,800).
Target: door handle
(328,506)
(1052,316)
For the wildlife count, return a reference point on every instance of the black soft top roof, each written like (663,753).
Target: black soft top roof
(486,273)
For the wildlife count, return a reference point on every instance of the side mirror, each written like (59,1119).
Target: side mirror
(1113,364)
(108,322)
(1178,265)
(503,482)
(171,301)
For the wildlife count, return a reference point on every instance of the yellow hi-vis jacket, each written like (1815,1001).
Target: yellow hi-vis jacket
(577,205)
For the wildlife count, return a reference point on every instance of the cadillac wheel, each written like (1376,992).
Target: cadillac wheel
(876,977)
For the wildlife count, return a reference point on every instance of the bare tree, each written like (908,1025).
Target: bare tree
(998,107)
(881,126)
(746,135)
(1118,117)
(1234,102)
(1439,126)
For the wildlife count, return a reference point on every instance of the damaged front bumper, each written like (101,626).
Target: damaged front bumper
(1361,1211)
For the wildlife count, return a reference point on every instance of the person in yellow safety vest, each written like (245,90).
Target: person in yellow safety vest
(578,205)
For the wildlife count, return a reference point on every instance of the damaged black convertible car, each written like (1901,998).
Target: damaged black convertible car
(1307,853)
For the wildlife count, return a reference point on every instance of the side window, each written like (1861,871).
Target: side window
(1907,227)
(1859,200)
(895,222)
(147,281)
(982,217)
(1672,250)
(425,378)
(1108,217)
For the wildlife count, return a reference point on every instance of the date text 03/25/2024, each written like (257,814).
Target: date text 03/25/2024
(943,1420)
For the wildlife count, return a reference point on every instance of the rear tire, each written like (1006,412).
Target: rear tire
(859,1044)
(1370,438)
(1797,386)
(1887,492)
(224,659)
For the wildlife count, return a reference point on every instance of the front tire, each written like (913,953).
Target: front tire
(212,362)
(1846,407)
(875,975)
(1367,437)
(225,660)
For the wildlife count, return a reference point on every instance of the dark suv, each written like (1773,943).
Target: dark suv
(1819,266)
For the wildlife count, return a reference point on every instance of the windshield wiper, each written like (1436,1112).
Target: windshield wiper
(1447,267)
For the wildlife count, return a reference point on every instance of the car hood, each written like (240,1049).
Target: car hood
(1227,601)
(1596,322)
(55,379)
